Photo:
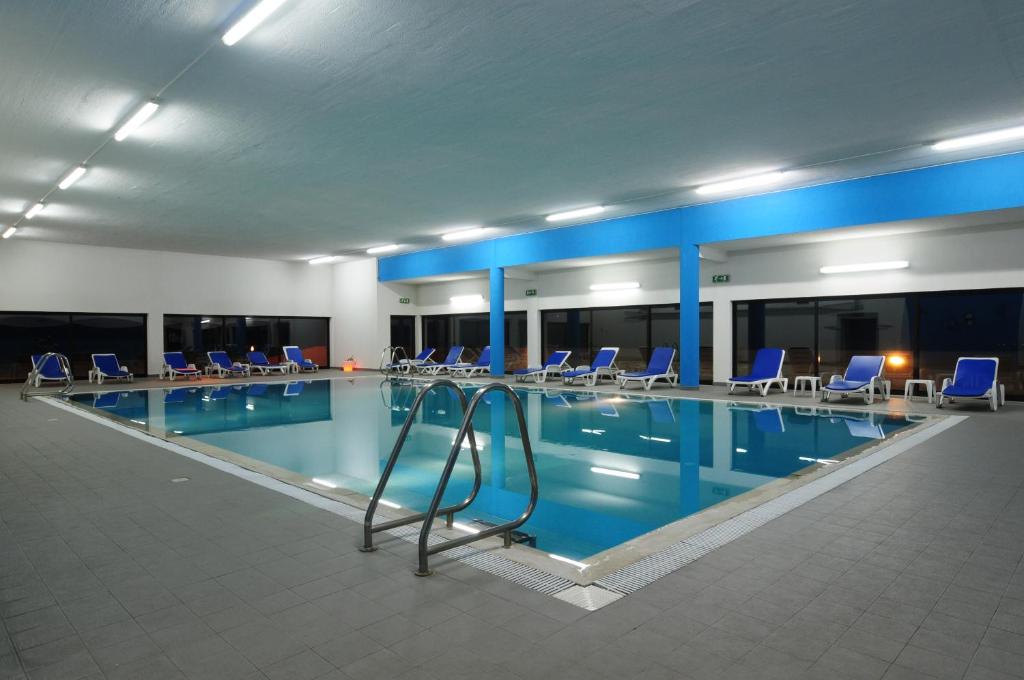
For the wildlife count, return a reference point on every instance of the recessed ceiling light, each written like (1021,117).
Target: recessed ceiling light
(382,249)
(11,231)
(573,214)
(327,259)
(763,179)
(72,177)
(144,113)
(464,234)
(622,285)
(865,267)
(463,300)
(982,139)
(253,18)
(34,210)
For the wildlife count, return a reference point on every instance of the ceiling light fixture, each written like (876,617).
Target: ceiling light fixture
(464,234)
(382,249)
(327,259)
(573,214)
(865,267)
(253,18)
(144,113)
(34,210)
(614,473)
(763,179)
(463,300)
(622,285)
(11,231)
(71,177)
(982,139)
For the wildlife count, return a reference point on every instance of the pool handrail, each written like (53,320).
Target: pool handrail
(369,529)
(507,528)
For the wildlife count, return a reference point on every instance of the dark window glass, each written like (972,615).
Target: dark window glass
(262,335)
(192,335)
(120,334)
(707,343)
(567,330)
(473,331)
(625,328)
(786,324)
(881,325)
(25,334)
(437,334)
(311,334)
(196,335)
(985,324)
(515,340)
(403,333)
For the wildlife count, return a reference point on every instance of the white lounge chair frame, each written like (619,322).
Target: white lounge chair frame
(671,377)
(99,375)
(878,383)
(541,375)
(763,385)
(995,395)
(590,379)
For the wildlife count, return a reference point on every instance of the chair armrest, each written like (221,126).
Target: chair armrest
(123,368)
(835,378)
(946,382)
(191,366)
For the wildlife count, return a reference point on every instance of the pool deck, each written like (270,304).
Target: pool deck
(108,568)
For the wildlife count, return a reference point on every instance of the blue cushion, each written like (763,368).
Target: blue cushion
(845,385)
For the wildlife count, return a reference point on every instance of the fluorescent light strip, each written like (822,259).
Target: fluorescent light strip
(466,299)
(382,249)
(71,177)
(983,139)
(324,260)
(573,214)
(865,267)
(464,234)
(579,565)
(660,440)
(761,180)
(34,210)
(250,407)
(253,18)
(144,113)
(615,473)
(324,482)
(738,450)
(11,231)
(623,285)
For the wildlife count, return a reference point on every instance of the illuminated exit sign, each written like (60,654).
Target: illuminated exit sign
(530,292)
(403,301)
(720,278)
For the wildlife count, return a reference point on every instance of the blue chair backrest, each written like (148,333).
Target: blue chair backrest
(768,362)
(603,359)
(293,353)
(425,354)
(220,357)
(975,374)
(176,396)
(485,357)
(769,420)
(864,368)
(50,368)
(557,358)
(257,358)
(454,354)
(175,360)
(257,390)
(661,360)
(107,363)
(106,399)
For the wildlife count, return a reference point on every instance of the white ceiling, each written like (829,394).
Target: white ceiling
(340,124)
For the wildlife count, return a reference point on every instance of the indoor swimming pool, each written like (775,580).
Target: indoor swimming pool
(611,467)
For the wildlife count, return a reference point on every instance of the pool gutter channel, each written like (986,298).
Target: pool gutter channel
(612,573)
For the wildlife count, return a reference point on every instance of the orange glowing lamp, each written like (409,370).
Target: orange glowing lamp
(897,361)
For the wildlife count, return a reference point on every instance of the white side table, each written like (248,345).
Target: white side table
(812,382)
(929,388)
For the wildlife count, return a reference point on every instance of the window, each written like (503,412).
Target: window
(473,331)
(77,335)
(195,335)
(403,334)
(876,325)
(786,324)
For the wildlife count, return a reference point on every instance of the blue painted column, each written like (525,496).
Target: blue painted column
(689,315)
(497,321)
(689,455)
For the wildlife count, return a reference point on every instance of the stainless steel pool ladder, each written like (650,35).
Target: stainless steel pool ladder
(389,360)
(435,509)
(65,366)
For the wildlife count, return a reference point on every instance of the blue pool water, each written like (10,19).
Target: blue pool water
(611,467)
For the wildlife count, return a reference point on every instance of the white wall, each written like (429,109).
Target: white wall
(55,277)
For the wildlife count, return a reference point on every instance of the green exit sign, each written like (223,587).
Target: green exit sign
(530,292)
(720,278)
(403,301)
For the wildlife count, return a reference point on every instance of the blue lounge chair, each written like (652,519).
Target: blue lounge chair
(405,365)
(49,371)
(555,365)
(658,368)
(865,427)
(603,364)
(293,356)
(482,365)
(107,366)
(864,374)
(257,390)
(258,361)
(177,395)
(106,399)
(766,371)
(450,361)
(221,364)
(974,378)
(175,364)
